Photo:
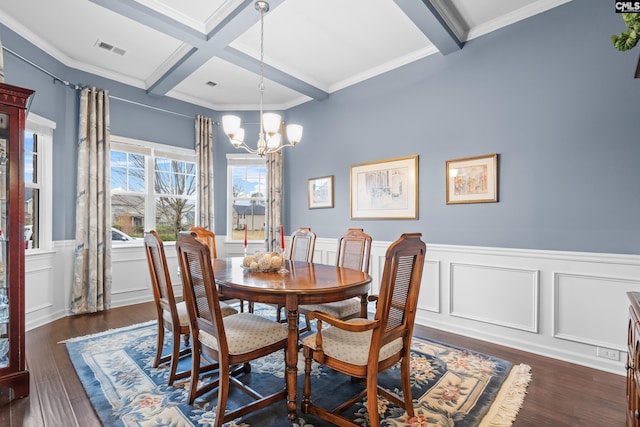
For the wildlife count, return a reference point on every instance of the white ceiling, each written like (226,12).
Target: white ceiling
(312,48)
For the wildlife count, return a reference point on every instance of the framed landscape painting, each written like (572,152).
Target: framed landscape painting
(472,179)
(320,192)
(385,189)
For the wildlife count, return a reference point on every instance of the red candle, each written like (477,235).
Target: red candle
(282,237)
(245,235)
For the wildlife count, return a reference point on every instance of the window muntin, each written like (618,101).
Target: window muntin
(175,189)
(127,171)
(127,194)
(153,187)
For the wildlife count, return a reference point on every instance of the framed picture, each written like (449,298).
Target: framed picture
(320,192)
(472,180)
(385,189)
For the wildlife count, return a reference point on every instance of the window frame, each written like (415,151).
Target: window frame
(152,151)
(44,128)
(234,159)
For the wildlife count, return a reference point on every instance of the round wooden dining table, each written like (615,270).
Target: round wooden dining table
(302,283)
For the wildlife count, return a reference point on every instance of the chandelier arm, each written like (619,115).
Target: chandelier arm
(266,150)
(248,148)
(275,150)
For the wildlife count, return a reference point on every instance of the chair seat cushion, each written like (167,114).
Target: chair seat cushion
(338,309)
(351,347)
(246,332)
(227,310)
(183,315)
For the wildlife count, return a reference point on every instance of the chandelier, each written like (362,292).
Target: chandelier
(269,138)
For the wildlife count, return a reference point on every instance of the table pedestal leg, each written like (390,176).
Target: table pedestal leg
(292,363)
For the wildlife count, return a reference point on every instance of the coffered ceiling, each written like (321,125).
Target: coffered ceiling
(207,52)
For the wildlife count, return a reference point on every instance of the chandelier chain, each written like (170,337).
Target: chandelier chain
(261,53)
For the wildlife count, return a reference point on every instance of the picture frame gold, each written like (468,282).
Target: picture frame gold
(385,189)
(320,192)
(472,179)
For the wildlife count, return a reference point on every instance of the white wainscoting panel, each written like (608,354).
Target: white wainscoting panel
(580,304)
(130,279)
(39,289)
(429,296)
(48,284)
(479,292)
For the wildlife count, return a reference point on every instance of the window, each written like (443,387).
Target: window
(246,195)
(152,187)
(38,140)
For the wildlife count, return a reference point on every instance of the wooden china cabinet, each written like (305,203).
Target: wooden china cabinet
(14,102)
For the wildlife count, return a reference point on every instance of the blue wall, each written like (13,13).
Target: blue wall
(550,94)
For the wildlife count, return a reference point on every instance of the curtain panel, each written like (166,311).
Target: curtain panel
(204,150)
(275,169)
(91,288)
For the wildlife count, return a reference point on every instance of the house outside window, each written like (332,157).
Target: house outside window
(153,187)
(246,197)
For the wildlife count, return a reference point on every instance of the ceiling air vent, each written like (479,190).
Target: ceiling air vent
(105,46)
(119,51)
(212,84)
(110,48)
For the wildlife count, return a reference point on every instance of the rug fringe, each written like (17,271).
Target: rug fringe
(98,334)
(510,398)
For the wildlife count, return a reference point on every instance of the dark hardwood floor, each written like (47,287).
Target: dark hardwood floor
(560,393)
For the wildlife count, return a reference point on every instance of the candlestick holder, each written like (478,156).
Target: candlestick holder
(283,269)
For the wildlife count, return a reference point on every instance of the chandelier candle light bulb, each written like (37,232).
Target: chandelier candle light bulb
(269,137)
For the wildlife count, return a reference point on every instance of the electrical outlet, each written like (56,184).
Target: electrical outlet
(608,353)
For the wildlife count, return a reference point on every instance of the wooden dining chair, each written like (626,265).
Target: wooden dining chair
(229,341)
(171,315)
(363,348)
(302,246)
(303,243)
(354,251)
(208,237)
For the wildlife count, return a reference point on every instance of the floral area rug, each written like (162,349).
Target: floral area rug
(450,386)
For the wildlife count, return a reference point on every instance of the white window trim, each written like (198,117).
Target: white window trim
(44,128)
(237,159)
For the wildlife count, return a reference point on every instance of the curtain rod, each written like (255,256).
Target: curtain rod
(50,74)
(76,87)
(117,98)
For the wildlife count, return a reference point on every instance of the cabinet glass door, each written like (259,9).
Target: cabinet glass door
(4,285)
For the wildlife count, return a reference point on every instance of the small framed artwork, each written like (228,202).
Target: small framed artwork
(385,189)
(472,179)
(320,192)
